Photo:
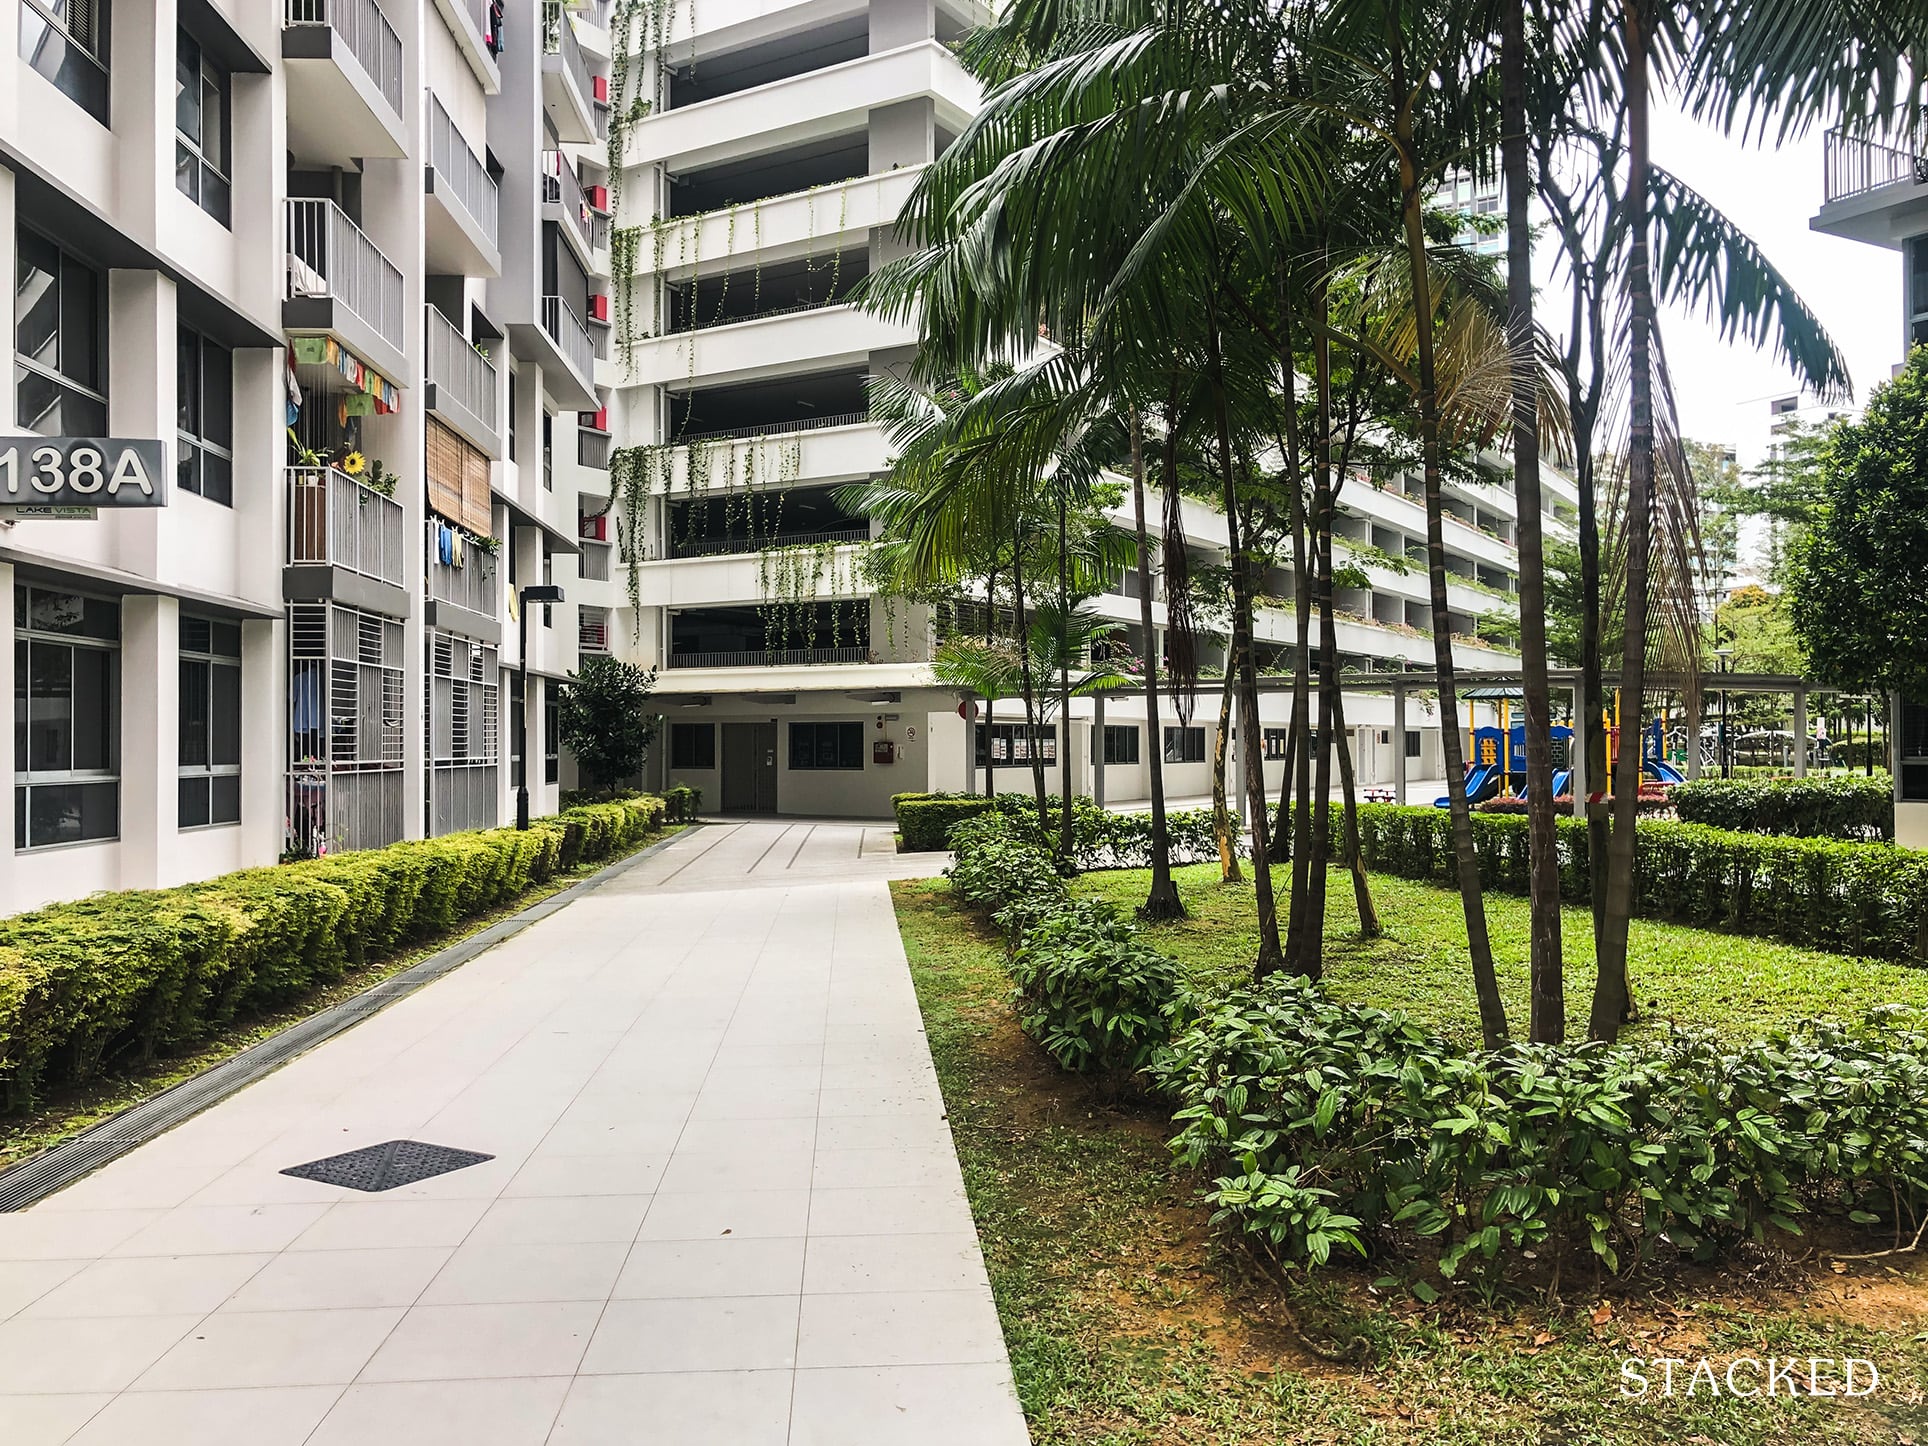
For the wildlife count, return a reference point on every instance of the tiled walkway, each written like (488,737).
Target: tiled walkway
(724,1205)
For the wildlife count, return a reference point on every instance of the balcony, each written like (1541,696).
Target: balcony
(344,68)
(592,449)
(462,216)
(462,385)
(781,658)
(1875,192)
(737,546)
(751,350)
(592,631)
(564,203)
(345,541)
(462,596)
(468,22)
(1852,166)
(567,90)
(572,343)
(340,283)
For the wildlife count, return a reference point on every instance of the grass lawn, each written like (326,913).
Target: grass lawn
(1729,982)
(1128,1324)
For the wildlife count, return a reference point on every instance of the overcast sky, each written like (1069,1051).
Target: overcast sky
(1855,289)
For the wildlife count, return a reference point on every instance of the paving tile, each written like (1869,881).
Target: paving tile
(741,1104)
(970,1405)
(561,1220)
(52,1420)
(667,1269)
(221,1230)
(587,1175)
(708,1408)
(598,1135)
(844,1264)
(518,1411)
(68,1234)
(22,1282)
(754,1137)
(899,1328)
(732,1333)
(149,1285)
(271,1348)
(771,1167)
(58,1356)
(884,1132)
(272,1416)
(714,1214)
(467,1342)
(372,1223)
(341,1279)
(496,1274)
(905,1210)
(870,1169)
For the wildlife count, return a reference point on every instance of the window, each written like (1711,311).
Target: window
(1121,743)
(551,731)
(1412,743)
(1274,742)
(205,390)
(210,746)
(1918,291)
(692,745)
(826,745)
(1184,745)
(548,452)
(200,127)
(66,718)
(1010,743)
(1912,752)
(60,385)
(66,42)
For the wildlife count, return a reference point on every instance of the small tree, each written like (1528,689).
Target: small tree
(1858,601)
(606,722)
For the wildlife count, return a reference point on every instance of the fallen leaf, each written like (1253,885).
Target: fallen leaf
(1603,1312)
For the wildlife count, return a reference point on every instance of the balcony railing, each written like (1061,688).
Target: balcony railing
(458,172)
(779,658)
(1852,166)
(690,321)
(561,187)
(368,34)
(334,520)
(730,546)
(773,429)
(457,368)
(592,635)
(571,337)
(476,12)
(559,38)
(329,256)
(471,584)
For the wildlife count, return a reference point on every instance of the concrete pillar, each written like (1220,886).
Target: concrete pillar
(1398,744)
(264,748)
(1800,730)
(141,385)
(150,750)
(8,262)
(6,684)
(1578,785)
(1098,749)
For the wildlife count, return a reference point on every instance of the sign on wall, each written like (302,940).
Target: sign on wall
(84,472)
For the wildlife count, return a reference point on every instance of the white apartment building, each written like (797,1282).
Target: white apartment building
(1878,194)
(780,144)
(336,258)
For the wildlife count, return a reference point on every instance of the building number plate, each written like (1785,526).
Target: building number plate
(49,472)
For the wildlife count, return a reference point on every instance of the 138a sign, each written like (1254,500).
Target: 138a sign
(81,472)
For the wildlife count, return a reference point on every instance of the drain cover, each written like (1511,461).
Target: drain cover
(385,1166)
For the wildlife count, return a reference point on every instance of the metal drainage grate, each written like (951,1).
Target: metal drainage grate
(384,1166)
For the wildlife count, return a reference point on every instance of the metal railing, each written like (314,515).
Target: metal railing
(592,450)
(571,337)
(729,546)
(559,38)
(1852,166)
(457,368)
(469,585)
(476,12)
(592,635)
(562,187)
(458,171)
(333,519)
(369,36)
(328,255)
(778,658)
(770,429)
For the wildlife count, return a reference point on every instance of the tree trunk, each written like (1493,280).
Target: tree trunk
(1610,986)
(1297,783)
(1492,1009)
(1065,849)
(1222,827)
(1163,901)
(1548,1014)
(1034,740)
(1361,888)
(1313,937)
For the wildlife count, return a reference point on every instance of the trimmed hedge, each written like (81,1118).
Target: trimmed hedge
(1796,807)
(143,973)
(924,820)
(1100,838)
(1852,898)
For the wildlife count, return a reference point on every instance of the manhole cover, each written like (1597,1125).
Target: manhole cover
(384,1166)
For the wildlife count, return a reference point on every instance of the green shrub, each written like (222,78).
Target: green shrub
(1091,991)
(998,864)
(683,802)
(1330,1126)
(924,819)
(147,972)
(1843,807)
(1851,898)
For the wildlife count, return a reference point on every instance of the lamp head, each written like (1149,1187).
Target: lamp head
(542,593)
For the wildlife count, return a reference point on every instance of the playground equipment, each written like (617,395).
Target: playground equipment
(1496,757)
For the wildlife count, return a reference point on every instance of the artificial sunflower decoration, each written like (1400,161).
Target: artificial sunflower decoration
(353,464)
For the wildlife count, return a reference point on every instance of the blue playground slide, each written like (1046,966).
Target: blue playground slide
(1481,784)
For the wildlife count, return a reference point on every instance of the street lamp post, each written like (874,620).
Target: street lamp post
(1726,762)
(534,594)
